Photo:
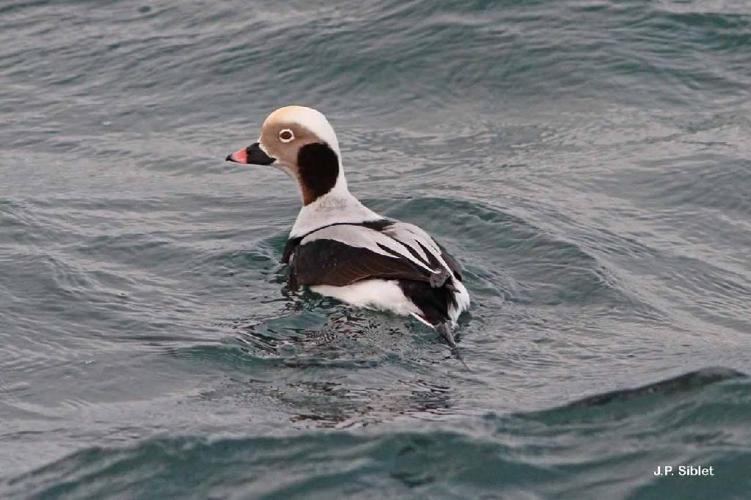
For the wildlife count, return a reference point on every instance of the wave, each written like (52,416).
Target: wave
(608,444)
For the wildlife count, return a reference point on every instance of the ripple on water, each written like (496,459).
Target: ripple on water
(595,446)
(521,259)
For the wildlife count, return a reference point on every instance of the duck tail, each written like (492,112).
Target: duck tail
(445,330)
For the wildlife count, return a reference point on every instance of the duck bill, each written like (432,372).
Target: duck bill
(252,155)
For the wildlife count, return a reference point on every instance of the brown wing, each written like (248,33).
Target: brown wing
(331,262)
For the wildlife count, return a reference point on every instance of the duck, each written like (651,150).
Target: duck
(340,248)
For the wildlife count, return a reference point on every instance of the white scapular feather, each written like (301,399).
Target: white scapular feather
(363,237)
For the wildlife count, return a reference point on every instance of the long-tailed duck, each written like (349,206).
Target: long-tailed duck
(340,248)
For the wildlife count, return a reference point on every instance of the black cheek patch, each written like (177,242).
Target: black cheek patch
(319,168)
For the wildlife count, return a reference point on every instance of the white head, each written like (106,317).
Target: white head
(301,142)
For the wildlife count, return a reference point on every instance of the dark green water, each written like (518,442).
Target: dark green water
(589,162)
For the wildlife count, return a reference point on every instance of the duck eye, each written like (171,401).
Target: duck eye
(286,135)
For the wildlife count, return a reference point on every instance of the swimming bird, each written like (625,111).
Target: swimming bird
(340,248)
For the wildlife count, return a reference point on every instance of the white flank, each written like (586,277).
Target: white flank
(383,295)
(462,302)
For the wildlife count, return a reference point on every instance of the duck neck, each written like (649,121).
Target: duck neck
(318,171)
(337,205)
